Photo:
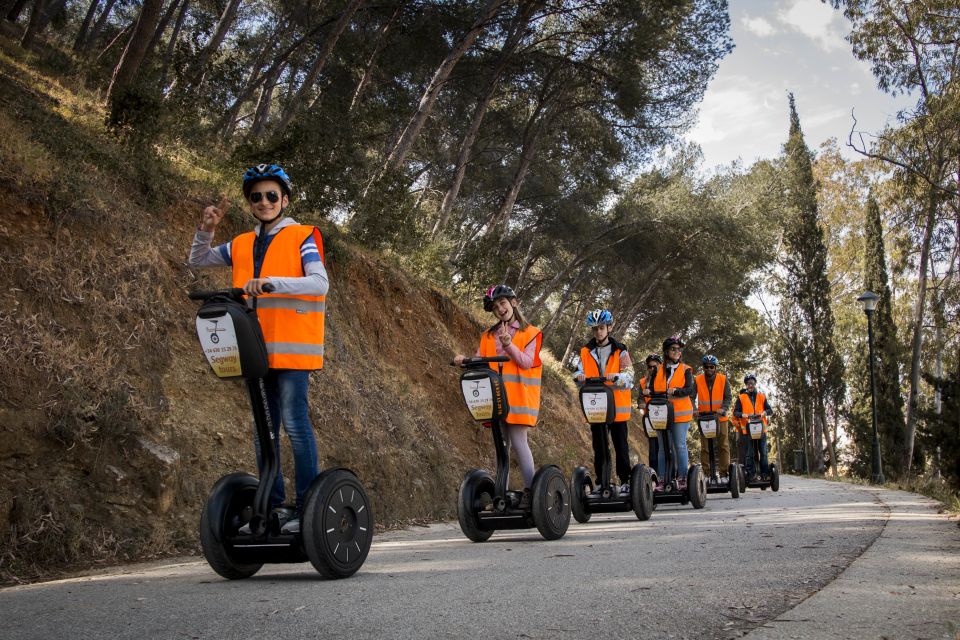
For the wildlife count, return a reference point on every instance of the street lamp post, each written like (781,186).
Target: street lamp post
(868,300)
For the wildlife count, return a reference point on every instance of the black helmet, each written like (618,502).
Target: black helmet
(669,342)
(262,172)
(656,357)
(749,376)
(494,293)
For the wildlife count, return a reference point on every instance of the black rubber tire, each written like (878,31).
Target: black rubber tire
(742,478)
(733,481)
(580,485)
(475,482)
(337,523)
(551,502)
(221,518)
(641,492)
(697,487)
(774,478)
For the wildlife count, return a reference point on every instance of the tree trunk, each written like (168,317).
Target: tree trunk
(13,14)
(99,25)
(527,260)
(172,43)
(466,146)
(917,340)
(365,79)
(573,334)
(318,63)
(565,299)
(162,27)
(263,105)
(85,25)
(36,15)
(52,10)
(398,154)
(133,56)
(223,26)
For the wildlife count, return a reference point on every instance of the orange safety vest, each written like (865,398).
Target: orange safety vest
(682,407)
(292,324)
(711,400)
(747,407)
(621,397)
(522,385)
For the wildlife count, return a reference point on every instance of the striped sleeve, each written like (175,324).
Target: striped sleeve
(312,249)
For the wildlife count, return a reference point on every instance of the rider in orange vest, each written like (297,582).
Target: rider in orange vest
(289,256)
(604,356)
(676,380)
(713,396)
(753,402)
(513,336)
(653,361)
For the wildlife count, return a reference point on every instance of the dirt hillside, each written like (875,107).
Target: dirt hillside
(113,428)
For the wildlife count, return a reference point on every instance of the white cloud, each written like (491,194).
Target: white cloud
(817,21)
(758,26)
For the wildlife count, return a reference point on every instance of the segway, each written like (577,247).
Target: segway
(660,413)
(735,447)
(484,502)
(771,480)
(708,423)
(239,532)
(598,406)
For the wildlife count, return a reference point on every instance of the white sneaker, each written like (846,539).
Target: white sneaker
(625,489)
(724,479)
(291,526)
(244,530)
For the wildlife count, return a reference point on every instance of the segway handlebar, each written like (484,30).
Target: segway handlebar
(597,380)
(472,362)
(236,293)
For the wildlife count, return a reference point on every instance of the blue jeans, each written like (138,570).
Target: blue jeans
(751,451)
(677,432)
(287,403)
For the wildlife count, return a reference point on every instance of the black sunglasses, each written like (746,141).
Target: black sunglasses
(709,366)
(256,196)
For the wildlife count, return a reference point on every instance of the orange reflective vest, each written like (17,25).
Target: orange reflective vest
(591,369)
(522,385)
(292,324)
(682,406)
(747,407)
(711,400)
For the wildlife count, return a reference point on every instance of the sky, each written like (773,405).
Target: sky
(782,46)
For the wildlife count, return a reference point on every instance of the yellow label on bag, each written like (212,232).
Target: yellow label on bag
(594,407)
(658,415)
(218,338)
(478,394)
(709,428)
(756,429)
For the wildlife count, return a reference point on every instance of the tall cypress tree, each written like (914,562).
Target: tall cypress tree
(807,286)
(887,352)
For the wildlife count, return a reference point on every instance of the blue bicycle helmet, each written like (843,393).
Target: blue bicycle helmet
(749,376)
(262,172)
(709,359)
(599,316)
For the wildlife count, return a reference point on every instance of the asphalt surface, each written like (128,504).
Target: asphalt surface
(721,572)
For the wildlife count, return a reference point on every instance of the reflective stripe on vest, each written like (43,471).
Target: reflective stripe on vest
(591,369)
(292,325)
(683,406)
(747,407)
(711,401)
(522,385)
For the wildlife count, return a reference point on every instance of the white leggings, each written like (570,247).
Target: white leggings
(516,438)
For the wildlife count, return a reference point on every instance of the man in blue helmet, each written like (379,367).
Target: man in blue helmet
(713,396)
(603,356)
(289,257)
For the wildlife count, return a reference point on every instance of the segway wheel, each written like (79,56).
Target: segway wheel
(337,523)
(551,502)
(474,485)
(641,492)
(697,487)
(580,485)
(733,481)
(221,519)
(742,478)
(774,478)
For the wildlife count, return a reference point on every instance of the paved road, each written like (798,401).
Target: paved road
(716,573)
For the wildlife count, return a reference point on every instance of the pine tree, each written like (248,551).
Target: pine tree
(807,286)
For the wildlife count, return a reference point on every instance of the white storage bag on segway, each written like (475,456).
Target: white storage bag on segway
(231,339)
(709,428)
(597,404)
(756,429)
(484,394)
(659,414)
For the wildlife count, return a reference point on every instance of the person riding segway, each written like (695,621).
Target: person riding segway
(753,410)
(713,405)
(670,410)
(606,404)
(501,387)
